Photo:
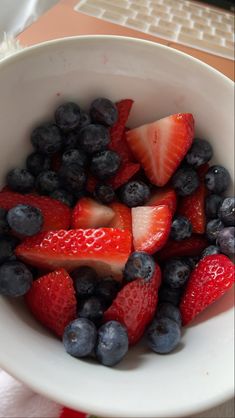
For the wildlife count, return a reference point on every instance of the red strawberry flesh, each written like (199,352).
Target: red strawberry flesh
(135,305)
(56,215)
(104,249)
(161,146)
(189,247)
(90,214)
(52,300)
(212,277)
(164,196)
(151,227)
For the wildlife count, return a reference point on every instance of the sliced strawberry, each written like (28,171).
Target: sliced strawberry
(122,217)
(122,149)
(135,305)
(91,183)
(52,300)
(202,170)
(212,277)
(151,227)
(90,214)
(189,247)
(56,215)
(161,146)
(104,249)
(117,130)
(164,196)
(124,174)
(193,208)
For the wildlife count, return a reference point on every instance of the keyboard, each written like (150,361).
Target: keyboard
(192,24)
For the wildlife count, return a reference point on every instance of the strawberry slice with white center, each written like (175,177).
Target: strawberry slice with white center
(161,146)
(90,214)
(150,227)
(104,249)
(164,196)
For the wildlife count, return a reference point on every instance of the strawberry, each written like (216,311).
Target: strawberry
(189,247)
(161,146)
(193,208)
(151,227)
(212,277)
(124,174)
(122,149)
(104,249)
(56,215)
(135,305)
(122,217)
(117,130)
(91,183)
(90,214)
(52,300)
(164,196)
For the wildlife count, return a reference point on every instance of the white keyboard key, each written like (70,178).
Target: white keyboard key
(205,45)
(162,32)
(94,11)
(212,38)
(158,13)
(139,8)
(136,24)
(180,13)
(190,32)
(138,2)
(199,19)
(169,25)
(182,21)
(202,27)
(219,25)
(230,44)
(113,17)
(145,18)
(224,34)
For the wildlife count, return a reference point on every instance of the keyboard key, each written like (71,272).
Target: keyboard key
(139,8)
(190,32)
(205,45)
(106,5)
(230,44)
(94,11)
(160,8)
(114,17)
(137,24)
(145,18)
(169,25)
(138,2)
(203,27)
(212,38)
(180,13)
(224,34)
(162,32)
(199,19)
(181,21)
(218,25)
(164,15)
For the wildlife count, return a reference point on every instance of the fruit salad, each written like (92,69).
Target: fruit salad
(111,233)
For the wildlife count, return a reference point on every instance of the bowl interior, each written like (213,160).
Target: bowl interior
(162,81)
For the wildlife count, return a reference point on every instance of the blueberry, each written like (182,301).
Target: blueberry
(104,193)
(212,229)
(167,310)
(135,193)
(217,179)
(74,156)
(6,248)
(20,180)
(4,227)
(85,281)
(80,337)
(104,111)
(200,152)
(226,240)
(185,181)
(112,343)
(36,163)
(15,279)
(71,140)
(181,228)
(25,220)
(73,178)
(139,265)
(105,164)
(213,203)
(163,335)
(92,309)
(67,116)
(170,295)
(191,261)
(176,273)
(227,211)
(107,289)
(47,182)
(84,119)
(63,196)
(47,139)
(211,250)
(94,138)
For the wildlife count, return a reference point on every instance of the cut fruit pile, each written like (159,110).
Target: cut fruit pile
(111,233)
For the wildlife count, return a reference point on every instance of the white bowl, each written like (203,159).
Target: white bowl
(199,374)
